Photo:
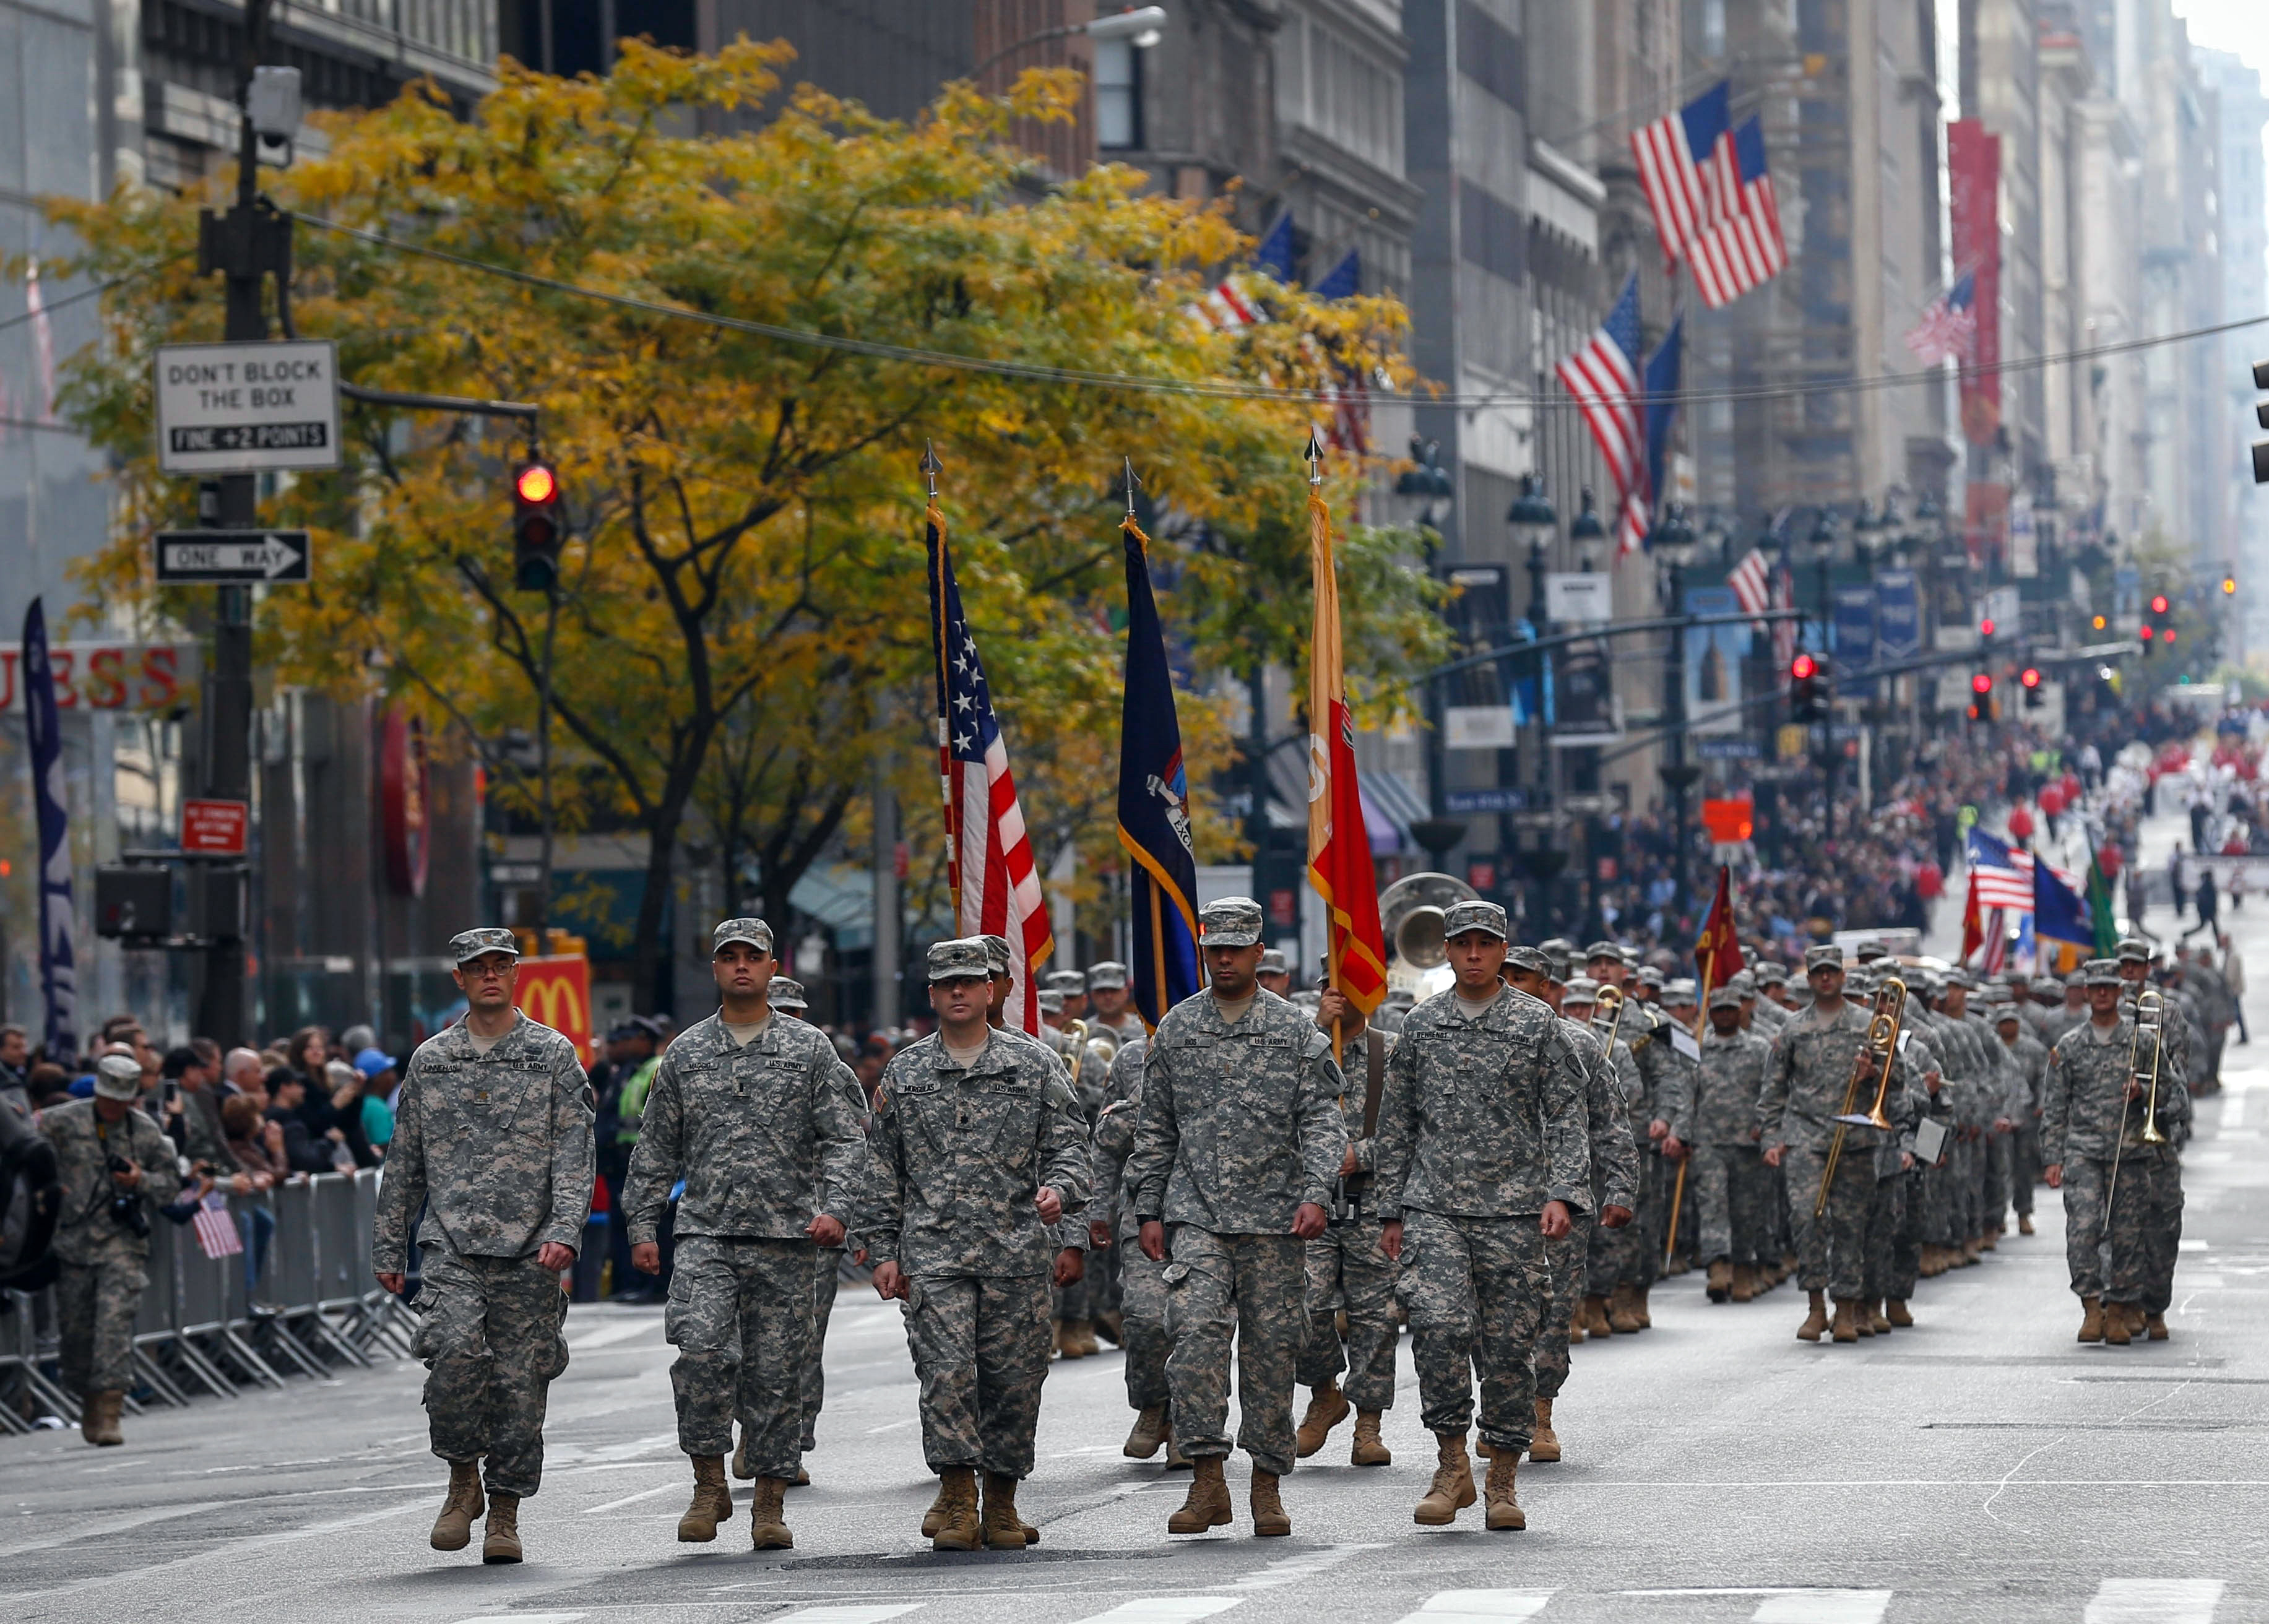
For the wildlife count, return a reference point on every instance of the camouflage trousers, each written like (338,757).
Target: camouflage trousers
(2024,1166)
(980,1346)
(825,1276)
(1733,1198)
(1476,1290)
(489,1332)
(1346,1269)
(1142,1322)
(1894,1256)
(740,1316)
(1998,1154)
(1831,1250)
(1632,1255)
(1254,1286)
(1567,1260)
(95,1305)
(2145,1226)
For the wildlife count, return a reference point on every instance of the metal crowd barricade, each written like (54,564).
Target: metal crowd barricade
(299,1299)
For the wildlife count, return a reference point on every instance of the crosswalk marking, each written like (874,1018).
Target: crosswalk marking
(628,1500)
(1478,1608)
(2155,1601)
(523,1618)
(1150,1610)
(1291,1570)
(1823,1608)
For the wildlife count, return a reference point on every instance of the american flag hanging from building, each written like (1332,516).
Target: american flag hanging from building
(1604,378)
(996,887)
(1679,159)
(1744,248)
(1751,580)
(1949,327)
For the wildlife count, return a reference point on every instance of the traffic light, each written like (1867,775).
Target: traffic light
(1985,627)
(2229,585)
(2159,604)
(535,534)
(1981,689)
(2261,416)
(1807,694)
(2030,678)
(2098,622)
(2149,634)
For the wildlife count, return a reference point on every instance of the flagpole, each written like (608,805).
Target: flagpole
(1318,512)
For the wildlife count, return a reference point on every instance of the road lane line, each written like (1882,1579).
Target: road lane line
(848,1612)
(1291,1570)
(2155,1601)
(1478,1608)
(95,1528)
(629,1500)
(1155,1610)
(1823,1608)
(525,1618)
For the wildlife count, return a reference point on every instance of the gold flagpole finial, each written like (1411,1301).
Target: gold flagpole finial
(931,468)
(1314,453)
(1132,483)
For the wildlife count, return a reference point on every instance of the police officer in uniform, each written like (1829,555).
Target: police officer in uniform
(492,1137)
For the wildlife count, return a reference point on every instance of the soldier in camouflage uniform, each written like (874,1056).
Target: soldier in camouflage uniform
(1713,1125)
(1113,1233)
(2093,1110)
(1275,972)
(1484,1154)
(786,997)
(1237,1146)
(2029,1057)
(492,1137)
(111,1161)
(762,1120)
(981,1155)
(1617,1256)
(1807,1076)
(1614,1188)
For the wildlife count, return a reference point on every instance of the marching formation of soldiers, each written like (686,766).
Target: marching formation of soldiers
(1504,1167)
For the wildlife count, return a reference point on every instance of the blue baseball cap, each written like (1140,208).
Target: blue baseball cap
(370,1062)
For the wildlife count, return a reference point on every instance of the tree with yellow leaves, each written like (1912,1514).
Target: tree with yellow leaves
(717,330)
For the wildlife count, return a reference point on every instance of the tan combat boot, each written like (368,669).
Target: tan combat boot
(1638,1306)
(2154,1326)
(934,1518)
(1149,1431)
(1815,1320)
(768,1528)
(98,1414)
(1592,1311)
(713,1501)
(1622,1312)
(1270,1521)
(1543,1442)
(2091,1319)
(1452,1489)
(1896,1311)
(500,1538)
(2115,1325)
(1743,1288)
(1879,1323)
(1175,1461)
(2024,1223)
(1370,1450)
(1991,1241)
(452,1529)
(1079,1336)
(1718,1286)
(741,1469)
(1503,1510)
(1067,1347)
(1207,1505)
(1847,1320)
(1327,1407)
(1003,1530)
(1575,1326)
(958,1529)
(1111,1325)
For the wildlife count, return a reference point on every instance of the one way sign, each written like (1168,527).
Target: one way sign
(233,557)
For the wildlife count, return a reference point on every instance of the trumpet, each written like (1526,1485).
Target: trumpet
(1876,1055)
(1611,999)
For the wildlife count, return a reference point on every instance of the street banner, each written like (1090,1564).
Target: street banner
(1339,844)
(1899,615)
(556,989)
(1154,804)
(1855,638)
(1973,162)
(58,960)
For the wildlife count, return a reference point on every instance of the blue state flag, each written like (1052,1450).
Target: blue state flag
(1154,805)
(2059,915)
(1275,253)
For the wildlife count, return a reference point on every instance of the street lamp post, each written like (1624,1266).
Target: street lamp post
(1144,26)
(1535,524)
(1673,543)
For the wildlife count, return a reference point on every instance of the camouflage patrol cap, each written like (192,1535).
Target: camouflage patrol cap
(1770,974)
(1742,982)
(997,953)
(1581,990)
(2079,978)
(1051,1001)
(1724,998)
(1822,954)
(468,945)
(1678,993)
(1486,917)
(1558,955)
(117,1077)
(1867,952)
(1273,963)
(1603,949)
(1530,959)
(1065,982)
(1648,975)
(756,932)
(1860,981)
(2132,950)
(1229,922)
(1109,973)
(2101,971)
(786,992)
(963,958)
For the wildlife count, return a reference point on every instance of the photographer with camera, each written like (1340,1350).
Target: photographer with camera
(112,1160)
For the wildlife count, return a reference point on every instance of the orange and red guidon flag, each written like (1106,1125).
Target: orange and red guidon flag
(1718,953)
(1339,844)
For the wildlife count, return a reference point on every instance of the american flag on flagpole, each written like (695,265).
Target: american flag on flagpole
(216,1228)
(1751,580)
(996,885)
(1997,943)
(1604,378)
(1948,327)
(1678,156)
(2003,878)
(1744,248)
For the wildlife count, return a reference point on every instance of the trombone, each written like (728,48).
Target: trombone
(1075,1047)
(1611,999)
(2150,1012)
(1876,1055)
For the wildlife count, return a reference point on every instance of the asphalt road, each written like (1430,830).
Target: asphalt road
(1979,1466)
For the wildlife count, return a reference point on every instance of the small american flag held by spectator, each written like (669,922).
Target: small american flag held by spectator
(1950,326)
(216,1229)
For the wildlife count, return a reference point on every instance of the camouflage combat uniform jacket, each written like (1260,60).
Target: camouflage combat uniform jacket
(2083,1098)
(1807,1075)
(496,1148)
(1722,1109)
(85,1229)
(1607,1114)
(765,1135)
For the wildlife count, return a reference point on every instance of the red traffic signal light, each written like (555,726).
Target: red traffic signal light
(535,526)
(1982,682)
(1804,668)
(2159,604)
(2147,633)
(536,482)
(1985,627)
(2170,634)
(2031,678)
